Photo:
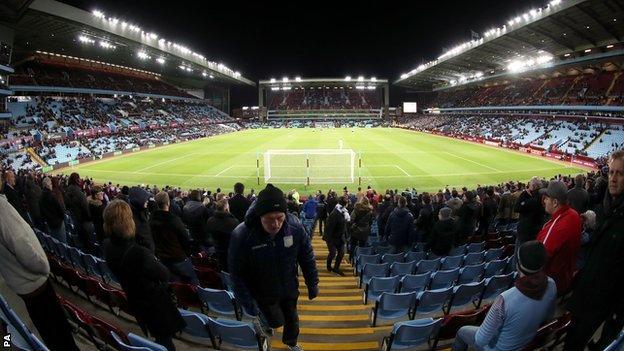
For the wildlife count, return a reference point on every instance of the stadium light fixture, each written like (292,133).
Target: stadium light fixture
(211,76)
(348,78)
(85,39)
(285,79)
(555,2)
(97,13)
(204,74)
(107,45)
(275,88)
(161,60)
(587,51)
(360,87)
(360,78)
(237,74)
(297,79)
(143,55)
(609,46)
(373,79)
(370,87)
(286,88)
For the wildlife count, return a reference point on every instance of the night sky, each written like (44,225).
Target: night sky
(264,39)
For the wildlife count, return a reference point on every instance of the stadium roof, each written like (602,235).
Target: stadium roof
(348,80)
(48,25)
(562,30)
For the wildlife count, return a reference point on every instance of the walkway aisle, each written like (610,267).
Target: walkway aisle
(337,319)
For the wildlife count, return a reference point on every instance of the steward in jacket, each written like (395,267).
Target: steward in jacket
(264,254)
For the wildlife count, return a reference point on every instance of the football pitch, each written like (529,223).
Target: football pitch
(390,158)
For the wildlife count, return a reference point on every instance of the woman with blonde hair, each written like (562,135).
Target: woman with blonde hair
(142,277)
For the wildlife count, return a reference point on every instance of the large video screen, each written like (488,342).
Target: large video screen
(410,107)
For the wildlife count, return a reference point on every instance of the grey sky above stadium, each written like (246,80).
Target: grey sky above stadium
(315,38)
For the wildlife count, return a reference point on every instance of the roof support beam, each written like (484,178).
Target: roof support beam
(553,38)
(592,15)
(571,29)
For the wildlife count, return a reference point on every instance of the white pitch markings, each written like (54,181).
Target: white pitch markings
(402,170)
(475,162)
(223,171)
(162,163)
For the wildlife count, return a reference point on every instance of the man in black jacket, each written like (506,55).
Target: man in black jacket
(76,203)
(171,240)
(443,233)
(138,199)
(52,211)
(12,195)
(578,197)
(531,211)
(400,227)
(195,215)
(238,203)
(597,296)
(220,227)
(264,254)
(334,236)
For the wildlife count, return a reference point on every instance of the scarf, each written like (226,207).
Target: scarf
(533,286)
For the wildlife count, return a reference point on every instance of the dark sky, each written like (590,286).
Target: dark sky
(264,39)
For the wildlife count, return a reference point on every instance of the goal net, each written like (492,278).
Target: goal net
(313,166)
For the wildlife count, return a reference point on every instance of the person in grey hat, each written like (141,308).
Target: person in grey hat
(561,235)
(515,316)
(263,256)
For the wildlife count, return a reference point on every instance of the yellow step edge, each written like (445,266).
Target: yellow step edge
(354,290)
(334,346)
(338,298)
(333,278)
(340,331)
(333,318)
(330,284)
(321,308)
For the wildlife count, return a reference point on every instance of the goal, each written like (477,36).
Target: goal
(311,166)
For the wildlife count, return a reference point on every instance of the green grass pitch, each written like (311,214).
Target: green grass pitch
(391,158)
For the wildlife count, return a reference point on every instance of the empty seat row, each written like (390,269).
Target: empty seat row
(389,305)
(21,337)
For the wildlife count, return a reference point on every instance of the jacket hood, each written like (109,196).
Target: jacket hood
(137,197)
(401,212)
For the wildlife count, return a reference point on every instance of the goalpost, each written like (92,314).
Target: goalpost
(310,166)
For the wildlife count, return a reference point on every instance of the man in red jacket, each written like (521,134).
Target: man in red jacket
(561,235)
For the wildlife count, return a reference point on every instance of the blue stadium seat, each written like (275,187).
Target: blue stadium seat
(459,250)
(451,262)
(373,270)
(237,334)
(139,341)
(382,250)
(122,346)
(466,293)
(475,247)
(108,276)
(361,250)
(361,260)
(392,306)
(428,265)
(471,274)
(429,301)
(197,326)
(219,301)
(473,258)
(617,344)
(495,267)
(493,254)
(402,268)
(410,334)
(496,285)
(443,279)
(226,281)
(92,266)
(391,258)
(378,285)
(415,256)
(415,283)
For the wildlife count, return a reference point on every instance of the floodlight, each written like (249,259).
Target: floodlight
(373,79)
(360,78)
(211,76)
(98,14)
(285,79)
(161,60)
(404,75)
(587,50)
(370,87)
(204,74)
(272,80)
(107,45)
(275,88)
(348,78)
(298,79)
(143,55)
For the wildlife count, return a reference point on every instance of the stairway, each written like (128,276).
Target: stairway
(337,319)
(35,157)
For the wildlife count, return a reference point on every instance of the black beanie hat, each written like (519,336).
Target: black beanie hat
(531,257)
(270,199)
